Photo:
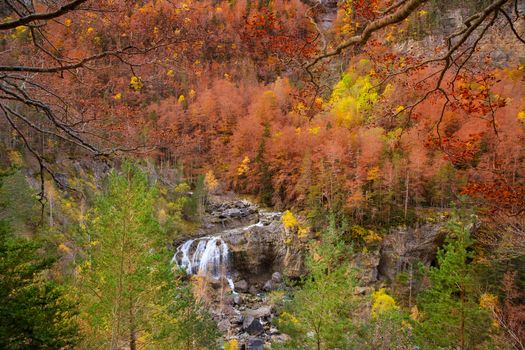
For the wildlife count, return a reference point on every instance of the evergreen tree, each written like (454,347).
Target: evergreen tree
(319,317)
(266,187)
(130,296)
(451,314)
(35,312)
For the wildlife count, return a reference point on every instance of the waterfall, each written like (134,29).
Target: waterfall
(206,256)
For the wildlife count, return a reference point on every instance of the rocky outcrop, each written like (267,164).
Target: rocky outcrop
(259,250)
(405,246)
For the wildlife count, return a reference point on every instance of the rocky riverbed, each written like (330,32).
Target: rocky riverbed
(241,255)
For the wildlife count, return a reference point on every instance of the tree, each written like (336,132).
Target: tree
(451,314)
(320,314)
(128,291)
(36,312)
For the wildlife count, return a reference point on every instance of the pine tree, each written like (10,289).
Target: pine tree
(451,314)
(129,292)
(35,312)
(319,317)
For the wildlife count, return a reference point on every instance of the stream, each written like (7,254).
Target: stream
(236,256)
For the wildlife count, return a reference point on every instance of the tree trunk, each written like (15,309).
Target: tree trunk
(407,179)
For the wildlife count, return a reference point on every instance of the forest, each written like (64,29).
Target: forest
(262,174)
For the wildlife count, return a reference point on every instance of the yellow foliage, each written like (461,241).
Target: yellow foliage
(210,181)
(136,83)
(400,109)
(369,236)
(319,102)
(64,248)
(67,22)
(414,313)
(289,220)
(162,216)
(314,130)
(488,301)
(382,303)
(521,115)
(182,188)
(117,96)
(373,173)
(298,131)
(90,30)
(287,317)
(16,159)
(423,13)
(243,168)
(232,345)
(19,32)
(181,99)
(303,232)
(170,73)
(353,97)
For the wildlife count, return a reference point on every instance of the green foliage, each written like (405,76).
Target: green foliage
(319,316)
(35,312)
(451,315)
(128,290)
(194,206)
(18,202)
(390,329)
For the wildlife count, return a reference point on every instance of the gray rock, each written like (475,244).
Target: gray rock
(254,344)
(252,325)
(277,277)
(241,286)
(237,299)
(224,325)
(263,311)
(269,286)
(405,246)
(253,290)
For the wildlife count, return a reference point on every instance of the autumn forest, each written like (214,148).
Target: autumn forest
(270,174)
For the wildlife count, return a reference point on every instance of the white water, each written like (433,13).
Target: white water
(206,256)
(210,256)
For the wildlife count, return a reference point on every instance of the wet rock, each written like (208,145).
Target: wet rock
(252,325)
(241,286)
(254,344)
(237,299)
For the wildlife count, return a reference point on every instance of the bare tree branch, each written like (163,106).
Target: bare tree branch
(25,20)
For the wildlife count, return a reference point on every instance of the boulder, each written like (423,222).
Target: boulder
(241,286)
(254,344)
(252,325)
(263,311)
(269,286)
(277,277)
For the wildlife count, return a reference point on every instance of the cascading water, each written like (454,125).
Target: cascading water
(206,256)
